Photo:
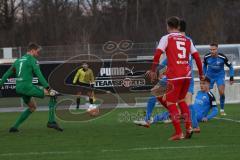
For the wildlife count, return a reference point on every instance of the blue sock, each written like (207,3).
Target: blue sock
(193,117)
(161,117)
(222,101)
(150,105)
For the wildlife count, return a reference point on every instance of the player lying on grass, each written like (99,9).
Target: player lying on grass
(178,48)
(205,106)
(23,69)
(203,109)
(214,69)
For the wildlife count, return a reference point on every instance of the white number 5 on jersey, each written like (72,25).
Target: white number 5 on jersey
(181,47)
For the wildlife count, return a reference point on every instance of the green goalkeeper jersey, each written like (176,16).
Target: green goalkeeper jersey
(24,68)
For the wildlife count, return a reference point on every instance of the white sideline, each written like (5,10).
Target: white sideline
(228,119)
(35,153)
(154,148)
(112,150)
(103,151)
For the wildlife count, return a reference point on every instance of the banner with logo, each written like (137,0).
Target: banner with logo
(119,76)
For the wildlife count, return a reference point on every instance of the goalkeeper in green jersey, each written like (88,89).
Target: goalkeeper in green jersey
(23,69)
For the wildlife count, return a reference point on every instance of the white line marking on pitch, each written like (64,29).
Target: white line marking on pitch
(111,150)
(104,150)
(228,119)
(154,148)
(32,153)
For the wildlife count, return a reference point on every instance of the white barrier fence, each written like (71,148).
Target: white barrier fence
(232,92)
(138,51)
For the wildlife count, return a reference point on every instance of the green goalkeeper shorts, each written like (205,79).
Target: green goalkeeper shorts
(29,91)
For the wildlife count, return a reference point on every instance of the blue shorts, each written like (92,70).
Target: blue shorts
(220,80)
(163,81)
(191,87)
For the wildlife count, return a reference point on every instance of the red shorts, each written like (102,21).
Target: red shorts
(178,91)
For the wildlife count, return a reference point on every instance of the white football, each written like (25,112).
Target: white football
(93,110)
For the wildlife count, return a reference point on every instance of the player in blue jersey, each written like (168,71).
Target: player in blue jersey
(205,106)
(214,69)
(203,109)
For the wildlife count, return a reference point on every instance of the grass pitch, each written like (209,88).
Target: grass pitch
(115,137)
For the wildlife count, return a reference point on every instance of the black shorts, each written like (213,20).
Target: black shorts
(85,88)
(84,84)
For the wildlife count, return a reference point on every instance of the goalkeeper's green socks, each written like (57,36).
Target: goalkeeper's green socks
(52,104)
(22,117)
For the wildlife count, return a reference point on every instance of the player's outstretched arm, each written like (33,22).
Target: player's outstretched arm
(160,49)
(9,73)
(197,59)
(76,77)
(231,70)
(156,59)
(152,74)
(204,66)
(37,71)
(213,113)
(213,106)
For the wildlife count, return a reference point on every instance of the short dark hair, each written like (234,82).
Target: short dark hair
(183,26)
(33,46)
(84,63)
(207,80)
(173,22)
(214,44)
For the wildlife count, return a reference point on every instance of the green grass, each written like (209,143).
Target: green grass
(16,101)
(110,138)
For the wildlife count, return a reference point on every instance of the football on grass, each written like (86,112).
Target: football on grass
(93,110)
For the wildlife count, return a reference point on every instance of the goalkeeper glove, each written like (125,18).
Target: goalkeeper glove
(52,92)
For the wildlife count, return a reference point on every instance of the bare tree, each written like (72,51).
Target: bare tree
(56,22)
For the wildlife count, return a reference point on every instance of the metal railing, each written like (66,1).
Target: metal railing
(135,50)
